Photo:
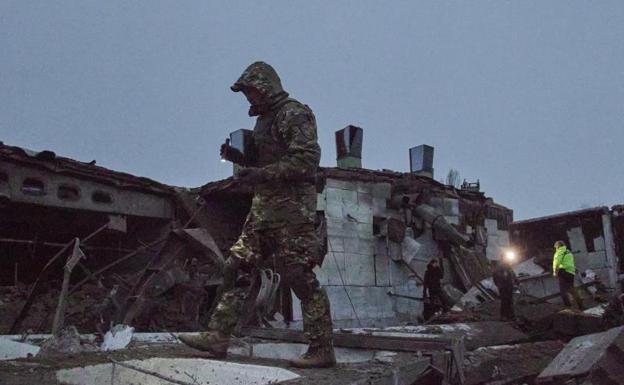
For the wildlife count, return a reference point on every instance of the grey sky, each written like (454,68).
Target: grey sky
(527,96)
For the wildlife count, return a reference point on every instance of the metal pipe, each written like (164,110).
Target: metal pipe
(393,294)
(440,225)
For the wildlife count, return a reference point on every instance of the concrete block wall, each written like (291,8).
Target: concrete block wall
(357,271)
(497,239)
(596,260)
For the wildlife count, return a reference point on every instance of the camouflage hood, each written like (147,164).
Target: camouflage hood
(263,78)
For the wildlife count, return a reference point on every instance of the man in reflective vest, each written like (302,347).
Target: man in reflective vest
(564,269)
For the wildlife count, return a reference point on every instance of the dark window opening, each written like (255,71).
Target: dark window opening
(68,192)
(101,197)
(32,186)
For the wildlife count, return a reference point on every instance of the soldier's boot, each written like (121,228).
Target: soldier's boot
(316,357)
(213,342)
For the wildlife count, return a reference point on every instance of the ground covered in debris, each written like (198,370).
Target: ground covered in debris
(42,369)
(91,309)
(511,363)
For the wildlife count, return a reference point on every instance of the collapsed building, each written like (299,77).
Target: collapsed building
(594,235)
(86,246)
(381,229)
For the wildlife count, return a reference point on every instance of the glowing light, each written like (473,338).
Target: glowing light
(510,256)
(223,160)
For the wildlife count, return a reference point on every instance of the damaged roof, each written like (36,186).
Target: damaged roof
(398,179)
(569,214)
(49,161)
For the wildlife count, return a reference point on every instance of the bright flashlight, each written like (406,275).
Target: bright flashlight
(510,256)
(223,160)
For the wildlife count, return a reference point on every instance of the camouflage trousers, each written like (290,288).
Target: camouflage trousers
(292,252)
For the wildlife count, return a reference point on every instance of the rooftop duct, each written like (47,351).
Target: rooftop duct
(421,160)
(349,147)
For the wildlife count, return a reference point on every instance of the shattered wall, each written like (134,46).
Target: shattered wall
(590,234)
(369,269)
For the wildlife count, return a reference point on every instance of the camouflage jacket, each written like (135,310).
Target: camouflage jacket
(287,148)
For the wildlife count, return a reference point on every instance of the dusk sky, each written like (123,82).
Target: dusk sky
(526,96)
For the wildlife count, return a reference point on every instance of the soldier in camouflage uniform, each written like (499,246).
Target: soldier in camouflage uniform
(280,226)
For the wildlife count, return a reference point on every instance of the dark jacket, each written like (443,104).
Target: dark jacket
(504,277)
(432,279)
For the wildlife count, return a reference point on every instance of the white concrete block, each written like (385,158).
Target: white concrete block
(379,207)
(365,187)
(399,274)
(360,246)
(333,268)
(395,251)
(333,195)
(491,225)
(381,247)
(382,190)
(296,306)
(358,213)
(321,274)
(335,244)
(335,228)
(360,269)
(419,266)
(577,240)
(334,210)
(340,184)
(365,199)
(597,260)
(369,302)
(497,241)
(405,306)
(382,270)
(341,196)
(11,350)
(599,244)
(422,249)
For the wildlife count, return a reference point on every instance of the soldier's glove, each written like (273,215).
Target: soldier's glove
(231,154)
(253,175)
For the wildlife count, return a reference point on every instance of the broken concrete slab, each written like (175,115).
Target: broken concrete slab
(475,334)
(519,363)
(183,370)
(10,350)
(68,341)
(575,323)
(595,357)
(117,338)
(289,351)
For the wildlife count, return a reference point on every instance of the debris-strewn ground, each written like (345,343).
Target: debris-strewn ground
(509,363)
(91,309)
(41,370)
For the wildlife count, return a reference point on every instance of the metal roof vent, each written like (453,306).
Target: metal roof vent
(349,147)
(421,160)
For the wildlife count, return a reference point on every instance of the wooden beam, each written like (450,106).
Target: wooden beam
(359,341)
